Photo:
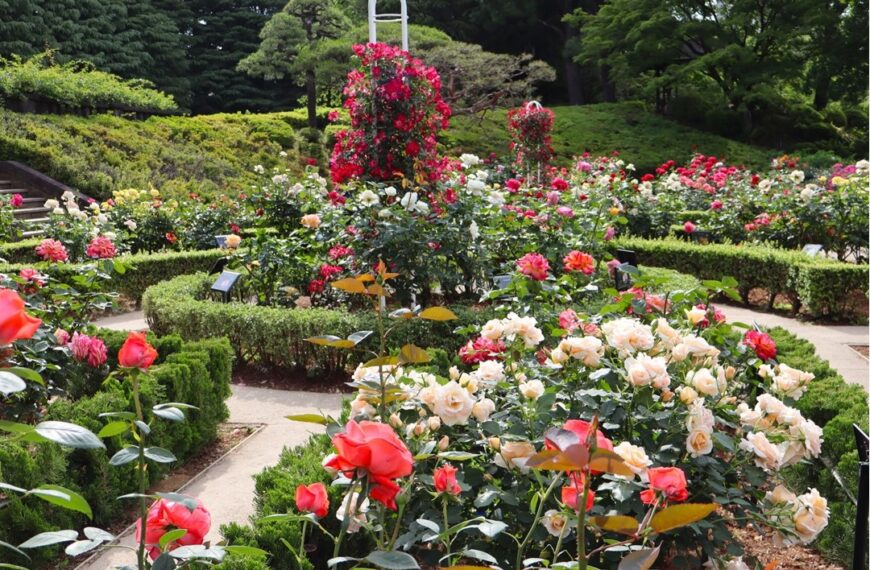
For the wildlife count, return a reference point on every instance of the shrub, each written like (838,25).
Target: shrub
(197,373)
(820,286)
(835,406)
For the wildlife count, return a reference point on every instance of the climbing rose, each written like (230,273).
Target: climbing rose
(445,480)
(136,352)
(164,516)
(762,343)
(374,449)
(313,499)
(534,265)
(14,322)
(668,480)
(52,250)
(579,261)
(101,247)
(88,349)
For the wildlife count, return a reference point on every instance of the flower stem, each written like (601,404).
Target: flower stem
(447,540)
(302,542)
(140,465)
(522,548)
(581,525)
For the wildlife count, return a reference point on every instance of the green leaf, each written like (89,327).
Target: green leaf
(639,559)
(171,413)
(359,336)
(393,560)
(49,538)
(308,418)
(242,550)
(323,340)
(112,429)
(479,555)
(164,562)
(122,415)
(491,528)
(189,502)
(26,374)
(159,454)
(676,516)
(15,427)
(16,549)
(81,546)
(609,462)
(123,456)
(69,435)
(457,455)
(171,536)
(411,354)
(349,285)
(9,487)
(382,361)
(63,497)
(10,383)
(198,551)
(99,534)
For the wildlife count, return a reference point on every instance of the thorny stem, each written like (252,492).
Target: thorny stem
(522,548)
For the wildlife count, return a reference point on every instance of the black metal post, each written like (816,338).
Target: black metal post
(860,549)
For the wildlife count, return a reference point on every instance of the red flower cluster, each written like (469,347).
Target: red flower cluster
(101,247)
(52,250)
(534,265)
(762,343)
(327,271)
(165,516)
(396,111)
(529,129)
(480,350)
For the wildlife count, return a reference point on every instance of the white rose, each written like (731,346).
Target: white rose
(687,394)
(695,315)
(469,160)
(670,337)
(700,417)
(703,381)
(51,204)
(811,515)
(131,225)
(633,456)
(524,328)
(767,456)
(409,200)
(780,495)
(453,403)
(645,370)
(628,335)
(514,454)
(558,356)
(474,231)
(699,442)
(532,390)
(368,198)
(475,186)
(797,176)
(812,435)
(360,407)
(350,506)
(492,330)
(390,191)
(587,349)
(482,409)
(490,372)
(556,523)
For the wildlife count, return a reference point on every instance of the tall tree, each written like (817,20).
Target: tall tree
(300,26)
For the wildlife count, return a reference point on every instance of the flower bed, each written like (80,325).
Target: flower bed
(818,286)
(193,372)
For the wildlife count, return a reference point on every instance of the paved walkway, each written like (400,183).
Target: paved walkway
(831,342)
(227,487)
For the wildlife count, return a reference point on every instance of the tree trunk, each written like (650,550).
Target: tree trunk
(822,92)
(608,89)
(573,81)
(311,92)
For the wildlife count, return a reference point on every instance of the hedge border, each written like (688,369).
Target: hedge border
(821,287)
(197,373)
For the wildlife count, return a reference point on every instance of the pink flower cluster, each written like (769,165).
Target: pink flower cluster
(529,128)
(52,250)
(101,247)
(88,349)
(534,265)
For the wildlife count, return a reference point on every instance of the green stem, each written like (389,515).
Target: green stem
(140,464)
(522,548)
(302,542)
(581,525)
(559,543)
(447,540)
(344,524)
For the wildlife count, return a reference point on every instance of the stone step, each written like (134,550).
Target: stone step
(35,220)
(21,191)
(32,233)
(27,211)
(5,182)
(35,200)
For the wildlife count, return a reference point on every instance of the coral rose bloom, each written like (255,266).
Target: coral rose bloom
(579,261)
(164,516)
(14,322)
(445,480)
(668,480)
(52,250)
(136,352)
(762,343)
(376,450)
(581,428)
(313,499)
(534,265)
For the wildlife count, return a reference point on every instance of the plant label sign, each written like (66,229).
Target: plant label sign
(812,249)
(623,280)
(221,241)
(225,282)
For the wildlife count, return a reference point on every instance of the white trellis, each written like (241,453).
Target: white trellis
(375,19)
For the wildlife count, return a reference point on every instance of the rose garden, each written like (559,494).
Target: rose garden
(522,360)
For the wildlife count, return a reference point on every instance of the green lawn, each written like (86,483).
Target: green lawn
(642,138)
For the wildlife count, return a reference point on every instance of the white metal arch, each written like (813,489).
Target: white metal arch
(375,19)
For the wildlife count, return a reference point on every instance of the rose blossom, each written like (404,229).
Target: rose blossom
(88,349)
(313,499)
(586,349)
(628,335)
(482,409)
(762,343)
(532,390)
(767,455)
(555,522)
(811,515)
(572,493)
(101,247)
(633,456)
(579,261)
(568,320)
(514,454)
(670,481)
(311,221)
(52,250)
(136,352)
(534,265)
(582,428)
(350,506)
(644,370)
(15,323)
(490,372)
(444,478)
(452,403)
(699,442)
(164,516)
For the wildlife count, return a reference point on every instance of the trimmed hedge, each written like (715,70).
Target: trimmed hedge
(196,373)
(834,405)
(23,251)
(821,287)
(147,268)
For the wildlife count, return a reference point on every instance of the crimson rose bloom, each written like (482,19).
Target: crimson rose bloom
(164,516)
(313,499)
(136,352)
(481,349)
(762,343)
(579,261)
(668,480)
(534,265)
(375,450)
(445,480)
(14,322)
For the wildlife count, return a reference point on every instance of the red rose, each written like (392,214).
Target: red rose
(671,481)
(689,227)
(136,352)
(762,343)
(14,322)
(313,499)
(579,261)
(572,493)
(581,428)
(375,449)
(445,480)
(534,265)
(164,516)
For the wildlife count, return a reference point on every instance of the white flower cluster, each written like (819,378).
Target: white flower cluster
(803,517)
(785,380)
(782,437)
(628,336)
(586,349)
(512,328)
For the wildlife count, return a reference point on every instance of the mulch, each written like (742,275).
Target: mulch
(758,544)
(284,379)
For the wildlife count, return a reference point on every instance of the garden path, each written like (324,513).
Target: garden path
(831,341)
(227,486)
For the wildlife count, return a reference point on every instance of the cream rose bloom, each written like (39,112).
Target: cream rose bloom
(699,442)
(811,515)
(812,436)
(687,394)
(633,456)
(767,455)
(532,390)
(351,506)
(514,454)
(482,409)
(669,337)
(525,328)
(490,372)
(628,335)
(492,330)
(694,346)
(703,381)
(790,381)
(645,370)
(556,522)
(360,407)
(452,403)
(558,356)
(311,221)
(780,495)
(587,349)
(695,315)
(700,417)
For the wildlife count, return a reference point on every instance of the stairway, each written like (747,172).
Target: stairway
(35,188)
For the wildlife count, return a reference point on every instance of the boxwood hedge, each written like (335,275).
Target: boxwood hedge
(820,287)
(197,373)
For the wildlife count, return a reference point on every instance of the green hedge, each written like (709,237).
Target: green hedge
(23,251)
(834,405)
(196,373)
(821,287)
(146,269)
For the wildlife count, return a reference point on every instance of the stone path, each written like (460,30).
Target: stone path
(227,487)
(831,341)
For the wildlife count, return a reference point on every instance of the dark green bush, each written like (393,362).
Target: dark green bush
(197,373)
(821,287)
(835,405)
(20,251)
